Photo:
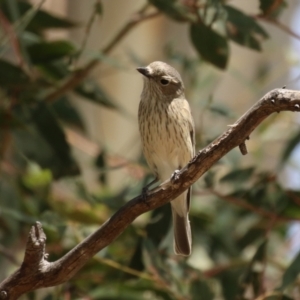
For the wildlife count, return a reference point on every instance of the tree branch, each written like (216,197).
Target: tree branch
(81,74)
(36,272)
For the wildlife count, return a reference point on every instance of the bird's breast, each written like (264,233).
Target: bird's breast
(165,135)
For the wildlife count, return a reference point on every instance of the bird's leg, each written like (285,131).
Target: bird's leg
(146,188)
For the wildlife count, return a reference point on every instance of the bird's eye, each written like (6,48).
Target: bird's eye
(164,82)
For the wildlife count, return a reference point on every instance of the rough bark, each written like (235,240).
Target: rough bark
(36,272)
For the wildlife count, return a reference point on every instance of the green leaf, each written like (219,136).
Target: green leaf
(36,177)
(101,163)
(290,146)
(19,23)
(159,224)
(272,8)
(46,52)
(153,261)
(238,175)
(243,29)
(278,296)
(200,287)
(211,46)
(99,8)
(221,110)
(8,120)
(11,75)
(172,8)
(93,92)
(253,275)
(67,112)
(55,70)
(42,19)
(253,234)
(123,292)
(50,129)
(230,282)
(291,273)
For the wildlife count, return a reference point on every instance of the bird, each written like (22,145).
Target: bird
(168,138)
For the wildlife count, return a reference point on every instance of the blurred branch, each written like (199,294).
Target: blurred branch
(36,272)
(88,28)
(215,271)
(81,74)
(126,269)
(248,206)
(12,37)
(278,24)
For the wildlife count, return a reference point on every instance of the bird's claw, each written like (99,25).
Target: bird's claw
(144,194)
(175,176)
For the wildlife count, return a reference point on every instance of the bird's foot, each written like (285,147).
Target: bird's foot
(145,193)
(145,190)
(175,176)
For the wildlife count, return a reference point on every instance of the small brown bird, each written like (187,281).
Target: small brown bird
(167,131)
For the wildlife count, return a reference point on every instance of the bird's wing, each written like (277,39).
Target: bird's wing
(188,116)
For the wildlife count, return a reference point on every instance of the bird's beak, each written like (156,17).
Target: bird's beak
(145,71)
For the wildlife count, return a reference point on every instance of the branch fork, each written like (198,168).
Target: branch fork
(36,272)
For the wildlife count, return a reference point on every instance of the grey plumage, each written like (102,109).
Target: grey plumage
(167,132)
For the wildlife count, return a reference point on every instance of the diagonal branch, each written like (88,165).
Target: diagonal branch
(36,272)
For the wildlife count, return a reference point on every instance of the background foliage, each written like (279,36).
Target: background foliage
(240,214)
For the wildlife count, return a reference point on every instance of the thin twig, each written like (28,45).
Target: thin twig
(87,31)
(248,206)
(12,37)
(80,75)
(279,25)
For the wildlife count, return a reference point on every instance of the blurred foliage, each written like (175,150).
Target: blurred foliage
(235,252)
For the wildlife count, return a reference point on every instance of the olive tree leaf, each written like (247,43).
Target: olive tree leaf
(243,29)
(210,45)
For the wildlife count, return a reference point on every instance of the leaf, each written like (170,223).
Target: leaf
(46,52)
(8,121)
(93,92)
(99,8)
(291,273)
(11,75)
(243,29)
(36,177)
(211,46)
(277,296)
(159,224)
(79,210)
(156,230)
(42,20)
(253,275)
(251,236)
(154,262)
(172,8)
(18,24)
(123,292)
(220,109)
(230,282)
(238,175)
(67,112)
(55,70)
(272,8)
(17,215)
(51,131)
(101,163)
(200,287)
(290,146)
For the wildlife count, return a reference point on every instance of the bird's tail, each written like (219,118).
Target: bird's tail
(181,224)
